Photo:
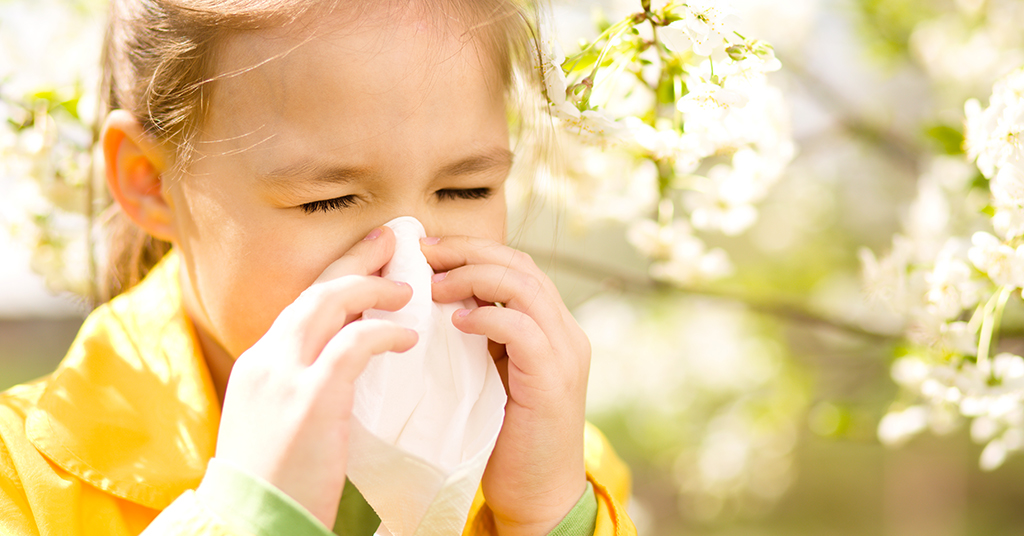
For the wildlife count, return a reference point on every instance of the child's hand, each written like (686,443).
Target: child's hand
(535,475)
(289,398)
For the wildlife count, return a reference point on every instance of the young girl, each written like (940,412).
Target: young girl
(267,142)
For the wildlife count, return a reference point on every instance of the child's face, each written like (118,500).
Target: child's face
(388,117)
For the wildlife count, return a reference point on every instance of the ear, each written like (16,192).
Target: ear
(134,166)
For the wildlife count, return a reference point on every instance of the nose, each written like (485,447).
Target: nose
(424,213)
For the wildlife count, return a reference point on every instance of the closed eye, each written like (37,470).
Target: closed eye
(328,205)
(450,194)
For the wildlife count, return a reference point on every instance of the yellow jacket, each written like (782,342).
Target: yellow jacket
(125,426)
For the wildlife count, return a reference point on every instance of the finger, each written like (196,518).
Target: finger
(348,352)
(453,251)
(518,290)
(366,257)
(321,311)
(526,346)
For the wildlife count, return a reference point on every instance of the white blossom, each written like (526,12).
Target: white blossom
(604,184)
(679,256)
(1008,222)
(897,427)
(993,135)
(885,279)
(1001,262)
(725,205)
(555,83)
(707,97)
(593,123)
(951,288)
(1008,199)
(703,26)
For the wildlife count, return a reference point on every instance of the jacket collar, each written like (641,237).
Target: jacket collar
(132,410)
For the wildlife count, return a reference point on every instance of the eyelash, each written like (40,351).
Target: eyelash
(338,203)
(328,205)
(469,194)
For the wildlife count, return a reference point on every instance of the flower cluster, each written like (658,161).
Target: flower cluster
(677,130)
(45,151)
(49,83)
(954,298)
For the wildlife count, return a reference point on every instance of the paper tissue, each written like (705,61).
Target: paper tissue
(424,421)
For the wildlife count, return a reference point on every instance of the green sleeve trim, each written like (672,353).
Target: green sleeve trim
(355,516)
(582,519)
(249,503)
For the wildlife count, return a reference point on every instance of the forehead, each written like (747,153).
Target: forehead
(347,78)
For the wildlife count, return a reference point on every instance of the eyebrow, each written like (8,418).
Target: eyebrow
(309,171)
(312,171)
(494,158)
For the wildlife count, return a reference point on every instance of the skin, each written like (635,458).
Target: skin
(276,275)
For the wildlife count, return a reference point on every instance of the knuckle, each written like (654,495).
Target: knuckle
(361,333)
(530,289)
(366,335)
(532,285)
(520,258)
(311,297)
(520,323)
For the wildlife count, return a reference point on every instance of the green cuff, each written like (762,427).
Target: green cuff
(582,519)
(249,503)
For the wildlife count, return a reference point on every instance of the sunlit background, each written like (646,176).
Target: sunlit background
(748,404)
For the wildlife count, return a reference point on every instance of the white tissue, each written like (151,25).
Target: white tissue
(425,421)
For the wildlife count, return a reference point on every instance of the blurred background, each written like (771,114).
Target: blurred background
(748,405)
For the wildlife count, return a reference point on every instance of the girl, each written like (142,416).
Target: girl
(266,142)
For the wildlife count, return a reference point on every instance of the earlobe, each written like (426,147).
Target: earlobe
(134,167)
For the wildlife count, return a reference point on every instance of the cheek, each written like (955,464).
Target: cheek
(254,288)
(244,266)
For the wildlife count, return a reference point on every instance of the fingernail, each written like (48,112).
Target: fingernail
(430,240)
(374,234)
(401,283)
(437,278)
(461,313)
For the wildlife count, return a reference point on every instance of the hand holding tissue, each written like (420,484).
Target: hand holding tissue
(424,421)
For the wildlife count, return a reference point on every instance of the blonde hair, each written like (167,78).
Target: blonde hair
(158,64)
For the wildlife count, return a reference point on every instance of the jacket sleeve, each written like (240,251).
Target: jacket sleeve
(232,502)
(38,498)
(247,503)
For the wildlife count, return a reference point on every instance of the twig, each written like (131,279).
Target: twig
(642,284)
(895,147)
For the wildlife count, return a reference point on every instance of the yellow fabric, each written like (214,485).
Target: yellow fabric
(125,426)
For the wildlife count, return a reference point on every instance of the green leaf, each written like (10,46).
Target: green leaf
(979,181)
(666,90)
(949,140)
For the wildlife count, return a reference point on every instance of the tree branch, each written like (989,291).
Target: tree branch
(791,312)
(899,150)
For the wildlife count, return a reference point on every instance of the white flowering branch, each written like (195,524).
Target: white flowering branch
(677,130)
(951,375)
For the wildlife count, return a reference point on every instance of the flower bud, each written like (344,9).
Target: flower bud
(762,49)
(736,52)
